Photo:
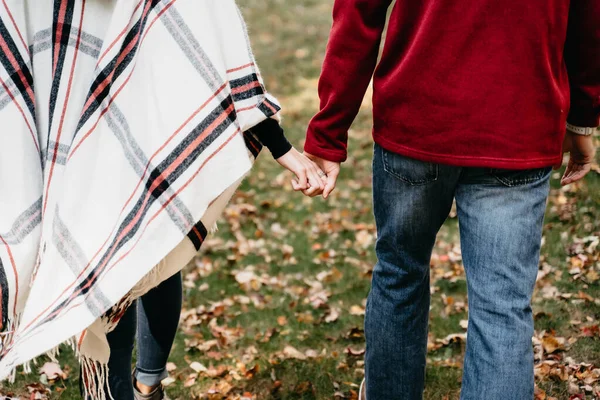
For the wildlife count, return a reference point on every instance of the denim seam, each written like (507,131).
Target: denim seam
(149,371)
(434,172)
(519,182)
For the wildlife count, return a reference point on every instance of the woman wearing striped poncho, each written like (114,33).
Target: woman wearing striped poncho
(127,126)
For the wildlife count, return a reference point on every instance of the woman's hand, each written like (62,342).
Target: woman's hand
(309,177)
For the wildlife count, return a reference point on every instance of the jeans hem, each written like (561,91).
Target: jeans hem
(150,377)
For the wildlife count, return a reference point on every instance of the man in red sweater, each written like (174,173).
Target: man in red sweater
(473,101)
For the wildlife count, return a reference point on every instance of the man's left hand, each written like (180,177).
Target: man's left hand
(582,152)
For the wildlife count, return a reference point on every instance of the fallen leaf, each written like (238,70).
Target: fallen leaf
(357,310)
(330,276)
(333,315)
(590,331)
(190,380)
(553,344)
(52,371)
(171,367)
(168,381)
(196,366)
(291,352)
(364,239)
(355,353)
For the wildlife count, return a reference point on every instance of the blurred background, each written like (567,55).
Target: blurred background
(274,304)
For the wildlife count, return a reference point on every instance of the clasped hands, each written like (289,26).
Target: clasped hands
(314,176)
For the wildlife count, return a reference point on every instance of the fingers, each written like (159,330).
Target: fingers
(312,192)
(575,172)
(296,186)
(311,180)
(308,179)
(301,183)
(315,181)
(330,183)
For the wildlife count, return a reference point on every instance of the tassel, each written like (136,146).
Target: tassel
(27,367)
(95,379)
(6,340)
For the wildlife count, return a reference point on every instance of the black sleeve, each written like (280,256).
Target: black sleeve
(271,134)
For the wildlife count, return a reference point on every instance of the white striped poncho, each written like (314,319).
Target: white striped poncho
(123,137)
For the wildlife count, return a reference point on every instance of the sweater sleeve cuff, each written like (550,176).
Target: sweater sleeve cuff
(591,120)
(325,154)
(270,134)
(330,147)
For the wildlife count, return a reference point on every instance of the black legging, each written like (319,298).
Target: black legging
(156,322)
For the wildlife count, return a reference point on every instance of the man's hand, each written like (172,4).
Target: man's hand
(582,151)
(331,170)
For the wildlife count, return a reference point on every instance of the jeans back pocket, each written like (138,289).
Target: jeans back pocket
(409,170)
(519,177)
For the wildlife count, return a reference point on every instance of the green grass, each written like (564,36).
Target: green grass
(289,40)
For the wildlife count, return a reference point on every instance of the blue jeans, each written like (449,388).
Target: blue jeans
(501,216)
(155,319)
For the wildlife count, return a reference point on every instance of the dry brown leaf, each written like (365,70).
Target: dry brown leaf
(291,352)
(52,371)
(364,239)
(248,280)
(333,315)
(452,338)
(354,352)
(553,344)
(357,310)
(207,345)
(305,317)
(168,381)
(190,380)
(585,296)
(196,366)
(331,276)
(539,394)
(221,388)
(171,367)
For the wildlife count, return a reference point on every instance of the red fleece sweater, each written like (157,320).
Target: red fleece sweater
(483,83)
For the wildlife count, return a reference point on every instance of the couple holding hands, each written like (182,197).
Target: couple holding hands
(473,102)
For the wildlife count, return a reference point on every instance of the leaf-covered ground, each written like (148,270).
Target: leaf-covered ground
(274,304)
